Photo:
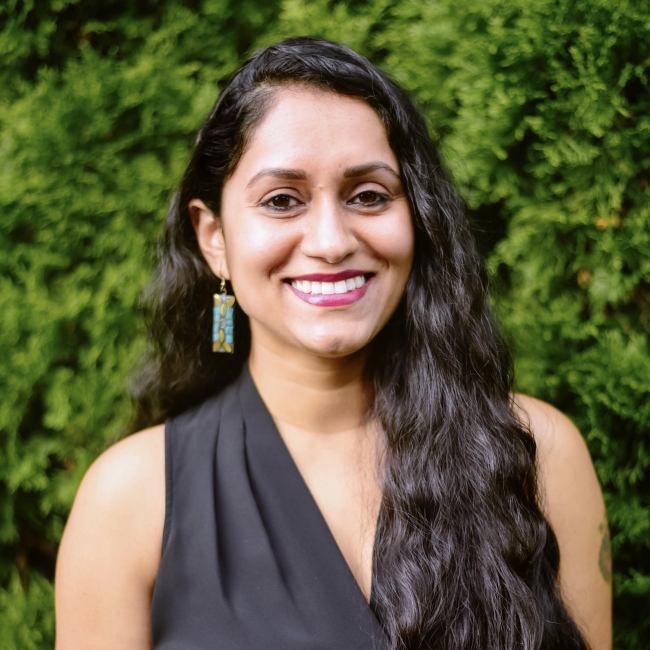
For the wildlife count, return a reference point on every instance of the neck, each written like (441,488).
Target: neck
(315,394)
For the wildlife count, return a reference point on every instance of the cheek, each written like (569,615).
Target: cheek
(254,251)
(402,249)
(393,240)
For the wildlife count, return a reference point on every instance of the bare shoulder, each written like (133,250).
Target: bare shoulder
(123,491)
(569,486)
(554,432)
(573,503)
(570,491)
(111,547)
(123,474)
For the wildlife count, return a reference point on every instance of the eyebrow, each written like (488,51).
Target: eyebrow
(301,175)
(362,170)
(277,172)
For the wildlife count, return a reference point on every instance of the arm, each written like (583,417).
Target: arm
(573,504)
(110,552)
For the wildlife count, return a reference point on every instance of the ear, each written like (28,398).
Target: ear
(210,237)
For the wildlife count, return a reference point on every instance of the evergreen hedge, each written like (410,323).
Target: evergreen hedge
(542,110)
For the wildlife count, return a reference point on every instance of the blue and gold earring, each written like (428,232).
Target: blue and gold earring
(223,325)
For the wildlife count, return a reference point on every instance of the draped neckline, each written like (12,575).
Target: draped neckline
(259,423)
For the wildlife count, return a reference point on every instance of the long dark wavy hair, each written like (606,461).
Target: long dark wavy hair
(464,557)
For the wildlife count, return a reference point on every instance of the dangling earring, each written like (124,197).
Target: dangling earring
(223,325)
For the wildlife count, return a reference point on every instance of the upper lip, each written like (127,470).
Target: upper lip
(329,277)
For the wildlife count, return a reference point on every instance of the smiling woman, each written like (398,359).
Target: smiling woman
(299,225)
(357,473)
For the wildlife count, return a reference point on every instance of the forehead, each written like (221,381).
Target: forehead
(308,127)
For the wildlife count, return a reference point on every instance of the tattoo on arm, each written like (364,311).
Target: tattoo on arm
(605,554)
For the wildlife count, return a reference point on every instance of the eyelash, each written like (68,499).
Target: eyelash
(381,199)
(268,203)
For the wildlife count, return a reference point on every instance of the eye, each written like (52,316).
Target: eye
(281,202)
(370,198)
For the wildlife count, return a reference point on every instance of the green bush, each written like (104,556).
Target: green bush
(543,112)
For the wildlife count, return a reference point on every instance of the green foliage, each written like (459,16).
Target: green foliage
(27,613)
(542,110)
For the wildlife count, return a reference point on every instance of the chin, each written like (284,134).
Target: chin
(332,346)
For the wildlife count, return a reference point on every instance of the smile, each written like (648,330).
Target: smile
(335,290)
(329,288)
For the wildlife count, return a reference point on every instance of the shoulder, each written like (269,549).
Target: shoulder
(573,504)
(558,439)
(123,474)
(566,471)
(123,491)
(549,426)
(111,547)
(569,489)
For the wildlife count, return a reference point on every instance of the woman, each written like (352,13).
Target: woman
(357,473)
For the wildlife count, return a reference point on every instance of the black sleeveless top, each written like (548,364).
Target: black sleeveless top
(248,561)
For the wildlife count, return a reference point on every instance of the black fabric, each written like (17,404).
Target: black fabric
(248,561)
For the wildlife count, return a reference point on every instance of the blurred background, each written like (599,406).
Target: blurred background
(543,113)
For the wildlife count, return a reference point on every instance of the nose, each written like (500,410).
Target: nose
(329,234)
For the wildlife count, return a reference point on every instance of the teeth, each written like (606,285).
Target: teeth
(329,288)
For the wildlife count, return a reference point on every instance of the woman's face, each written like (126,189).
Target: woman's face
(317,228)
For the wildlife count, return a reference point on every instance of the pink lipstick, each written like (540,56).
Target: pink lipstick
(331,289)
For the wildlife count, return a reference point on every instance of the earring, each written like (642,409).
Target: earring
(223,325)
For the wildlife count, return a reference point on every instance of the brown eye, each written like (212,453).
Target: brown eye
(281,202)
(367,197)
(370,198)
